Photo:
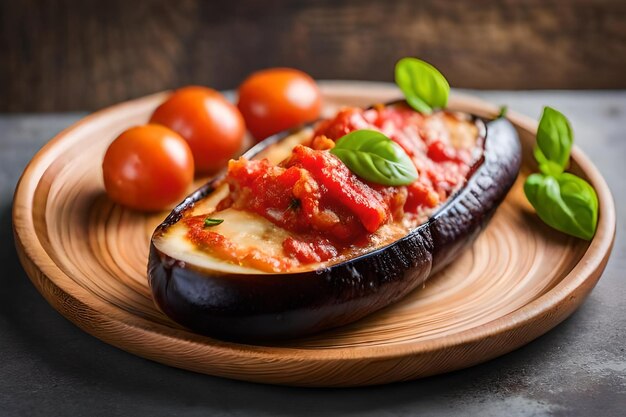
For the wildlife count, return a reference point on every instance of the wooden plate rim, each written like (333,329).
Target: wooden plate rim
(26,238)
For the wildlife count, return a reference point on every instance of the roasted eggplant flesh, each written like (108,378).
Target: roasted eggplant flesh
(224,262)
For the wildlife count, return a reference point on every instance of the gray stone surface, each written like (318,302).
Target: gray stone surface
(50,367)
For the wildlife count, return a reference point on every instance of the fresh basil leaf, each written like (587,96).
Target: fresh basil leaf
(376,158)
(546,166)
(582,199)
(539,156)
(503,112)
(565,202)
(209,222)
(418,104)
(555,137)
(423,86)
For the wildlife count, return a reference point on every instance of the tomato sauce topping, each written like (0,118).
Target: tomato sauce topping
(311,193)
(328,208)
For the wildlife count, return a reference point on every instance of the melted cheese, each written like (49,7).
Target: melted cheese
(246,230)
(249,231)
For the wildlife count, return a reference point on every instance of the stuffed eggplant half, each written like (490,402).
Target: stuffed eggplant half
(290,241)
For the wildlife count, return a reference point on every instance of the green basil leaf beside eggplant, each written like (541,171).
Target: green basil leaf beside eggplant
(545,165)
(565,202)
(554,137)
(263,307)
(562,200)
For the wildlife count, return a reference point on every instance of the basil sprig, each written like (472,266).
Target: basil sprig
(423,86)
(562,200)
(374,157)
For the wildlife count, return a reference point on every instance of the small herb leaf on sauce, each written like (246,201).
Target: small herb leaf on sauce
(294,204)
(209,222)
(562,200)
(374,157)
(423,86)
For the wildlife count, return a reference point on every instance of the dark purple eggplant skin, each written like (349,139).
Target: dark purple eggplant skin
(264,308)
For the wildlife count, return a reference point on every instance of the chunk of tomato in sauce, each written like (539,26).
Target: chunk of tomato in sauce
(341,185)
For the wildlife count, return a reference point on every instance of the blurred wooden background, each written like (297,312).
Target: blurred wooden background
(82,55)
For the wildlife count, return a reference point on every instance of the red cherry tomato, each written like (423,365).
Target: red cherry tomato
(148,168)
(277,99)
(212,126)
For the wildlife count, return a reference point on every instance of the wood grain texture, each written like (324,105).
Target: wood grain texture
(88,257)
(73,54)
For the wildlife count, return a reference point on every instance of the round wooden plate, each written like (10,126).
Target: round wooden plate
(87,256)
